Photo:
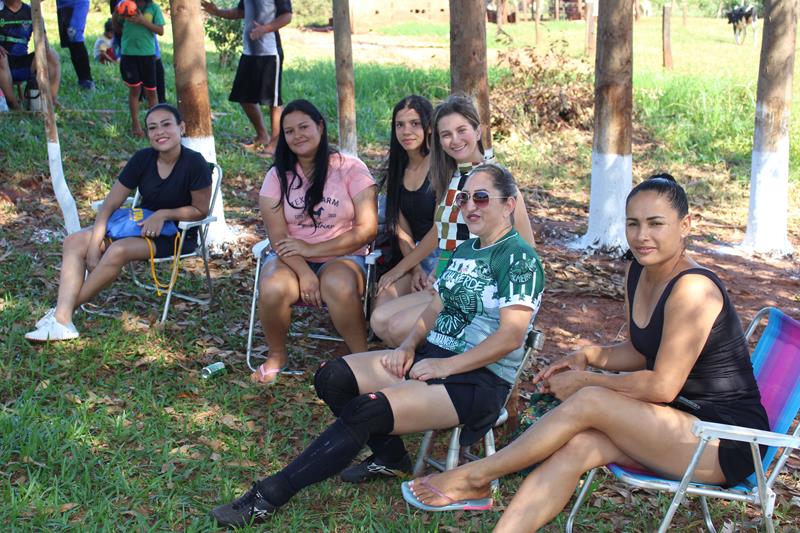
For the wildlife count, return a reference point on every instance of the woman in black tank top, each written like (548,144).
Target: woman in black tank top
(686,360)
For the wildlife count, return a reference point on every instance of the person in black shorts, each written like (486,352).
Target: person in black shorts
(686,360)
(259,74)
(16,64)
(173,181)
(71,25)
(455,367)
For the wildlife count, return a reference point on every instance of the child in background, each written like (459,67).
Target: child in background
(138,64)
(104,45)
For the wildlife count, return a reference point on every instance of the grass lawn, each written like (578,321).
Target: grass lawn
(116,431)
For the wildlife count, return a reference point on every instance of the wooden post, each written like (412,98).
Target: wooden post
(63,195)
(345,81)
(611,148)
(468,65)
(767,220)
(590,39)
(666,44)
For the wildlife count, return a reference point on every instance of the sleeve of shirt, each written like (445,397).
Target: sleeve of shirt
(271,187)
(200,173)
(282,7)
(358,176)
(158,17)
(134,169)
(519,279)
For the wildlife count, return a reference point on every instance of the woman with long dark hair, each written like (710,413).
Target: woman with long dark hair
(456,149)
(410,200)
(319,209)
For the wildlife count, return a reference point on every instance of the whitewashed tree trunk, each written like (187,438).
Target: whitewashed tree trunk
(191,86)
(611,148)
(769,173)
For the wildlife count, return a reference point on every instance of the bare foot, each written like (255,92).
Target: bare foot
(454,484)
(268,372)
(137,132)
(256,145)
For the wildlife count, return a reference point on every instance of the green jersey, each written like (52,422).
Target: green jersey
(476,284)
(138,40)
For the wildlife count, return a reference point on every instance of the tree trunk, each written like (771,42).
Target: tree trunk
(191,88)
(637,10)
(538,21)
(345,81)
(666,44)
(501,15)
(590,39)
(557,10)
(63,195)
(611,149)
(685,13)
(468,66)
(769,175)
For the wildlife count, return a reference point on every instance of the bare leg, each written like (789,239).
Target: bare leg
(152,97)
(133,105)
(253,112)
(653,435)
(54,71)
(399,288)
(275,123)
(341,286)
(7,83)
(278,290)
(392,321)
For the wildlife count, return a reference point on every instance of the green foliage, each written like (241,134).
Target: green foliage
(312,12)
(226,34)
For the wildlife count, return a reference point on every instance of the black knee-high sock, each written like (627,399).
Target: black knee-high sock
(80,60)
(333,450)
(336,385)
(161,88)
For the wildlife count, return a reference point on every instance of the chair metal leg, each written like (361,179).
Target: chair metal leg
(422,454)
(454,449)
(766,495)
(253,315)
(681,492)
(489,449)
(584,492)
(707,515)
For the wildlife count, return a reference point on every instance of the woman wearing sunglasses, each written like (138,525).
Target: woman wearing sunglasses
(455,367)
(456,149)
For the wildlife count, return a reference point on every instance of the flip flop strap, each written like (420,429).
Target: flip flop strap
(424,483)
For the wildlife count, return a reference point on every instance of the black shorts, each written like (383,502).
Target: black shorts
(21,67)
(139,71)
(258,81)
(735,458)
(477,395)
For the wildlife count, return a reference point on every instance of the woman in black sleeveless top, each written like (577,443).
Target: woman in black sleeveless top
(687,359)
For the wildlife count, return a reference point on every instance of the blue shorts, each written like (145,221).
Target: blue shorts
(317,268)
(429,263)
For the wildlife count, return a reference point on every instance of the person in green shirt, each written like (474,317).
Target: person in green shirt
(138,62)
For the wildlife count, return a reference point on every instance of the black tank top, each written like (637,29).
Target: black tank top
(418,207)
(723,371)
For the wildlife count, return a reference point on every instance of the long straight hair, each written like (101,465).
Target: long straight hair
(442,165)
(398,157)
(286,161)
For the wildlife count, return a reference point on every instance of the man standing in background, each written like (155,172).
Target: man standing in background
(71,23)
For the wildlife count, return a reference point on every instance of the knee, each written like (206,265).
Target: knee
(397,330)
(334,379)
(369,413)
(273,291)
(587,402)
(115,255)
(339,287)
(379,321)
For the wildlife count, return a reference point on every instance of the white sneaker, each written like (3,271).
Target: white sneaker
(53,331)
(48,316)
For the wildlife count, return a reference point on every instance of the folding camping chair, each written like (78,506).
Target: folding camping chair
(776,364)
(533,342)
(201,251)
(259,252)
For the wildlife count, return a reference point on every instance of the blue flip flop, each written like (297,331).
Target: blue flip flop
(482,504)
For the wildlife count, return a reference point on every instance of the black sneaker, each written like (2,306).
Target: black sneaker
(373,468)
(251,508)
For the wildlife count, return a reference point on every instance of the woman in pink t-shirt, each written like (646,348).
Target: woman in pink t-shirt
(319,208)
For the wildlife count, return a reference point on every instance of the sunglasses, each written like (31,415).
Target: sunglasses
(479,198)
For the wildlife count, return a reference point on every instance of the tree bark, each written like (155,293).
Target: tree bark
(538,21)
(501,15)
(611,148)
(64,197)
(590,38)
(769,175)
(468,65)
(345,81)
(666,43)
(557,6)
(191,88)
(685,13)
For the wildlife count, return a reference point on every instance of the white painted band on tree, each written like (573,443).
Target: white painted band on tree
(63,196)
(767,219)
(611,183)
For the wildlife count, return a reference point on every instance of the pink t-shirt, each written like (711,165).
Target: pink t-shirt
(347,176)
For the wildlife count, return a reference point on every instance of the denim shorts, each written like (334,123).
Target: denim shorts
(429,263)
(317,268)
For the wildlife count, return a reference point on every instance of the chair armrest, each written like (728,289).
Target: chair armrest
(195,223)
(97,204)
(738,433)
(259,247)
(373,256)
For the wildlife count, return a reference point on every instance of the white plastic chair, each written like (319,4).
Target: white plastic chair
(776,364)
(201,251)
(259,252)
(533,342)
